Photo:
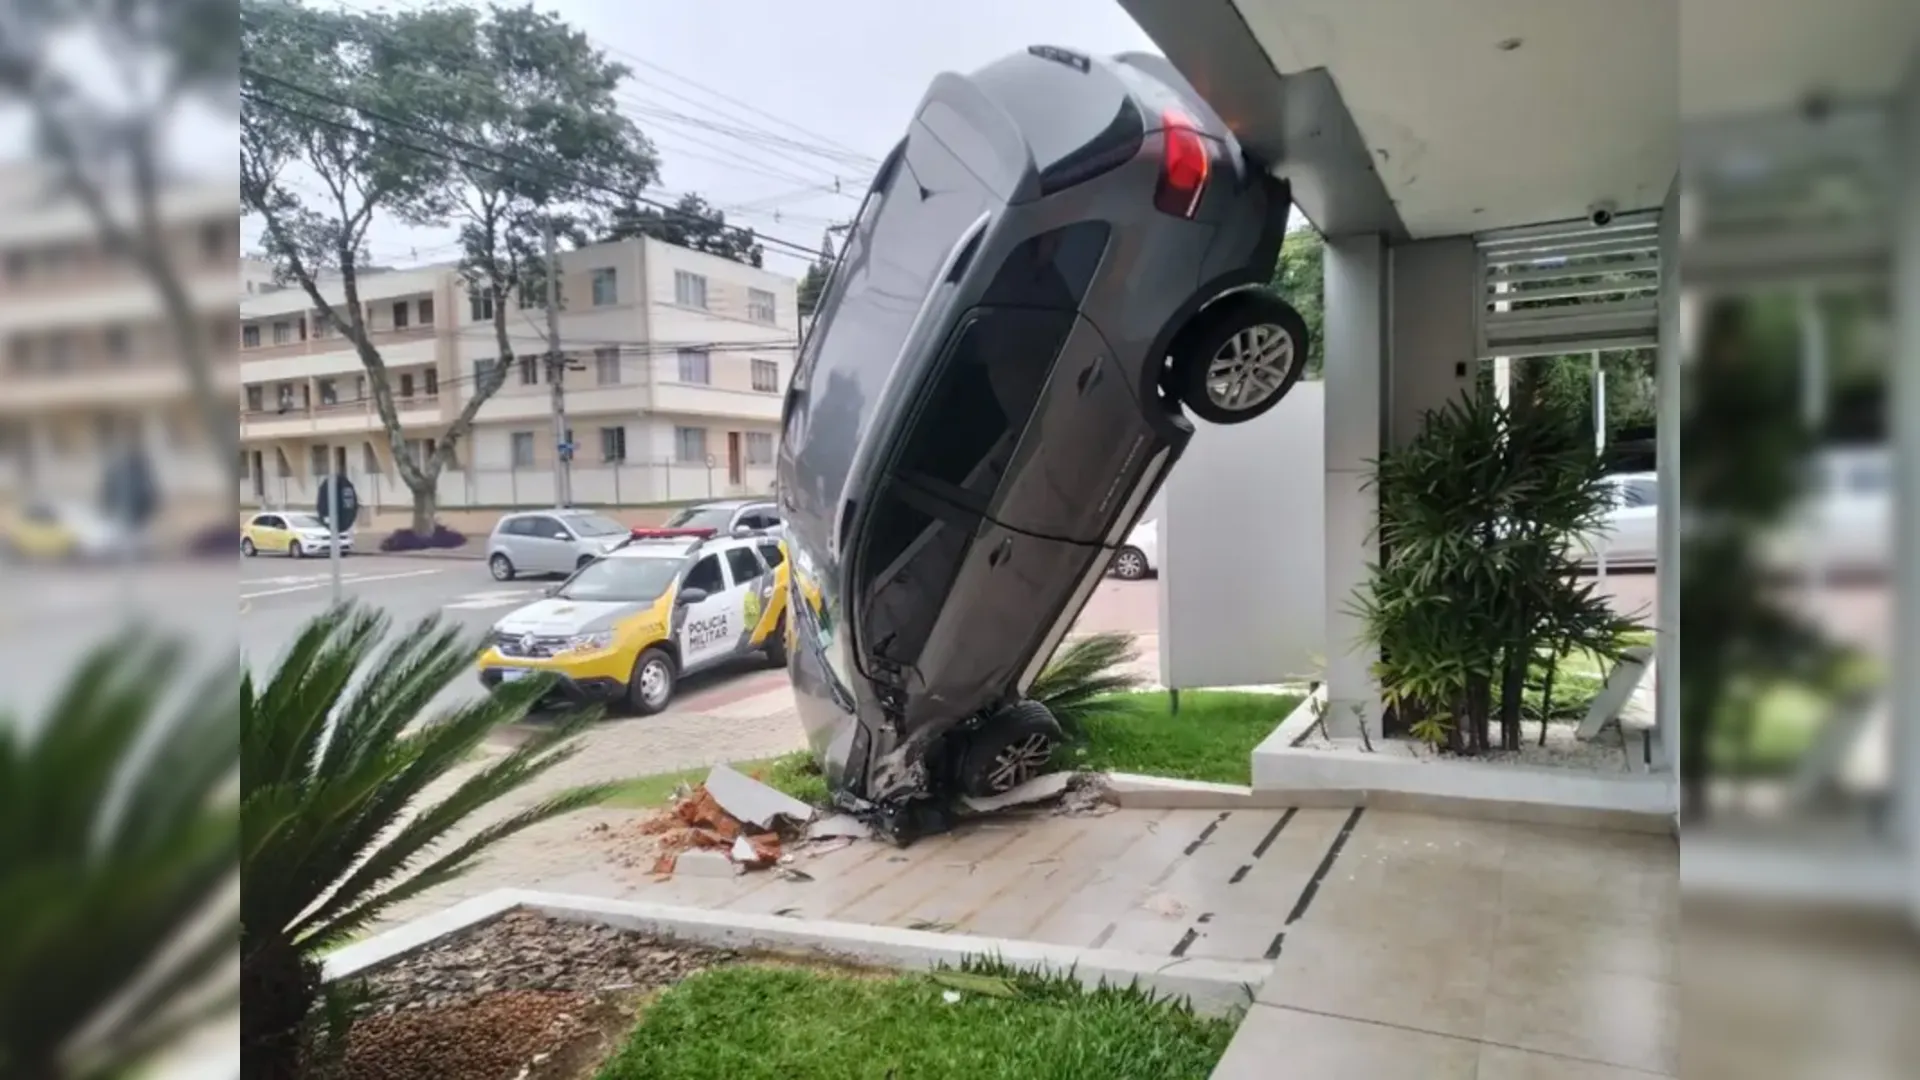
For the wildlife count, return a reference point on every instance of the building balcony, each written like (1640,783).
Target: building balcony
(345,418)
(337,356)
(692,399)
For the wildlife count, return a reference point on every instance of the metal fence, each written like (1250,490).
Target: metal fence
(595,484)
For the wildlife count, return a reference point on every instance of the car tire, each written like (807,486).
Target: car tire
(247,548)
(1130,564)
(650,687)
(295,550)
(1244,335)
(1012,747)
(501,567)
(776,647)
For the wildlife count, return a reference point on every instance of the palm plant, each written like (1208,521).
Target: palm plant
(336,758)
(117,859)
(1081,681)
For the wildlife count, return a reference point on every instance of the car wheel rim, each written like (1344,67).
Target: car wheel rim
(1250,368)
(653,683)
(1019,762)
(1130,565)
(500,569)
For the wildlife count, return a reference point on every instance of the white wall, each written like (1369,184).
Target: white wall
(1242,553)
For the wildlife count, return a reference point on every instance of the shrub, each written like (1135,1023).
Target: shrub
(408,540)
(219,538)
(1083,679)
(336,756)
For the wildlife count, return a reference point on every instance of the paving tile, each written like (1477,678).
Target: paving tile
(1384,974)
(1622,1020)
(1062,878)
(1287,1044)
(1506,1063)
(932,866)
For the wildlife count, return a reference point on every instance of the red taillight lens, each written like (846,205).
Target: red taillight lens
(1184,167)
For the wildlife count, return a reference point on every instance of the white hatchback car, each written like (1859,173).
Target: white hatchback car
(1140,555)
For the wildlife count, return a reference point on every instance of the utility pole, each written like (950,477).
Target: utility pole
(556,379)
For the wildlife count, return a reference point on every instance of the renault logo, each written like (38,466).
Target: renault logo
(526,643)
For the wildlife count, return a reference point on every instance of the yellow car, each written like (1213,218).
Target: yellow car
(294,534)
(628,625)
(57,531)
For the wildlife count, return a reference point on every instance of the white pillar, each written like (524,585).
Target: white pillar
(1904,425)
(1356,343)
(1667,415)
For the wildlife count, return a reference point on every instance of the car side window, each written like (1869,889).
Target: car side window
(547,528)
(271,521)
(517,527)
(706,576)
(773,555)
(744,564)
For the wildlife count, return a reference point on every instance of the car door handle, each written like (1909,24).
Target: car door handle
(1001,552)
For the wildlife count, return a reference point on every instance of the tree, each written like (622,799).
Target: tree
(504,121)
(692,223)
(1300,277)
(107,149)
(814,282)
(335,762)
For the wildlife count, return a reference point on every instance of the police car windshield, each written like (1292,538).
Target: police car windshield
(701,517)
(595,525)
(623,580)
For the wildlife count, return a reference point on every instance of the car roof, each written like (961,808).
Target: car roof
(728,504)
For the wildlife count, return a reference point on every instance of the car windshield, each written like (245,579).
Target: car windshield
(304,521)
(622,580)
(701,517)
(595,525)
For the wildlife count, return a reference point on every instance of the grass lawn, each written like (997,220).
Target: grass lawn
(788,1023)
(792,773)
(1211,738)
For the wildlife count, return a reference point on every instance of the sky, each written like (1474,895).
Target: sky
(835,76)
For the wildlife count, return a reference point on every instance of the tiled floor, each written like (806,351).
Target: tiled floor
(1404,945)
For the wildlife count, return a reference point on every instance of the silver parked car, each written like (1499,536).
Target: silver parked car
(550,542)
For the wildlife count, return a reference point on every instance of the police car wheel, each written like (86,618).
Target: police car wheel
(1015,745)
(651,686)
(776,648)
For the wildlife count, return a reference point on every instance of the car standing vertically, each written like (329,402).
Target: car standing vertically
(1064,259)
(627,625)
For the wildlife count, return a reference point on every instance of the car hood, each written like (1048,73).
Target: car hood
(555,616)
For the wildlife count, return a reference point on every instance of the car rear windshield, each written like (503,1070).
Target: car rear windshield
(701,517)
(623,581)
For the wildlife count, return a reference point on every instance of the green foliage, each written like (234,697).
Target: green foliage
(1300,277)
(1211,738)
(1080,682)
(691,224)
(1478,514)
(117,843)
(337,755)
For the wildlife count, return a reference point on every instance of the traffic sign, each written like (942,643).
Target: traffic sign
(349,502)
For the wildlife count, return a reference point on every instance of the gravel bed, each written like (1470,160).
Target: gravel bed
(1605,754)
(521,998)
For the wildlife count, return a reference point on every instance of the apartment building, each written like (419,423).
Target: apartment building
(90,358)
(676,365)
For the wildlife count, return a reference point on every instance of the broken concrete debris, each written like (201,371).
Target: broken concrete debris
(731,821)
(753,802)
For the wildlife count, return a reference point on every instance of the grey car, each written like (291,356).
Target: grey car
(728,517)
(1064,261)
(550,542)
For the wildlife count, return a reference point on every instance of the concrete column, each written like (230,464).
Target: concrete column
(1667,414)
(1904,425)
(1433,346)
(1356,345)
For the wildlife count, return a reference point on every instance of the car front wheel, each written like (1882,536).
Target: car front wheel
(295,551)
(1130,564)
(1248,350)
(1014,746)
(651,686)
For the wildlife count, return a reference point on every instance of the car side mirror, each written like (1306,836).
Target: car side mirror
(743,530)
(689,596)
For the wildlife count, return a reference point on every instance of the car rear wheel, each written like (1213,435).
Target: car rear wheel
(776,648)
(1243,357)
(247,548)
(651,686)
(501,567)
(1130,564)
(1015,745)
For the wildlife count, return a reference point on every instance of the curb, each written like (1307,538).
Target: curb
(1214,987)
(430,553)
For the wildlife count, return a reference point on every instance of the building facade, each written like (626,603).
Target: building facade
(90,361)
(676,362)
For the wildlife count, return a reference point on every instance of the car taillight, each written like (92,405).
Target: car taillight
(1184,166)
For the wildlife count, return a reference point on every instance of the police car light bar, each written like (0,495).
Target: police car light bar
(640,533)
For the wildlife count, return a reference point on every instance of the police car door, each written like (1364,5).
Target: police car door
(710,626)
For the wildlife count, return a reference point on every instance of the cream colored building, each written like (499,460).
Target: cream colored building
(677,363)
(90,358)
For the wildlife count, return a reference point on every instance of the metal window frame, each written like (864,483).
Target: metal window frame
(1555,262)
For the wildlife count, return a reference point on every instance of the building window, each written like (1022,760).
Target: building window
(59,351)
(613,444)
(116,342)
(280,463)
(282,333)
(256,399)
(689,290)
(329,394)
(606,287)
(322,326)
(481,303)
(766,376)
(359,388)
(400,315)
(369,460)
(690,445)
(760,306)
(213,238)
(529,371)
(406,384)
(426,312)
(250,336)
(283,394)
(759,447)
(522,449)
(606,365)
(433,382)
(696,367)
(319,462)
(482,372)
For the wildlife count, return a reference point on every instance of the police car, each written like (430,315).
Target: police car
(628,625)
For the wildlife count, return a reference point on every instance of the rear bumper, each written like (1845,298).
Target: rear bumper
(567,689)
